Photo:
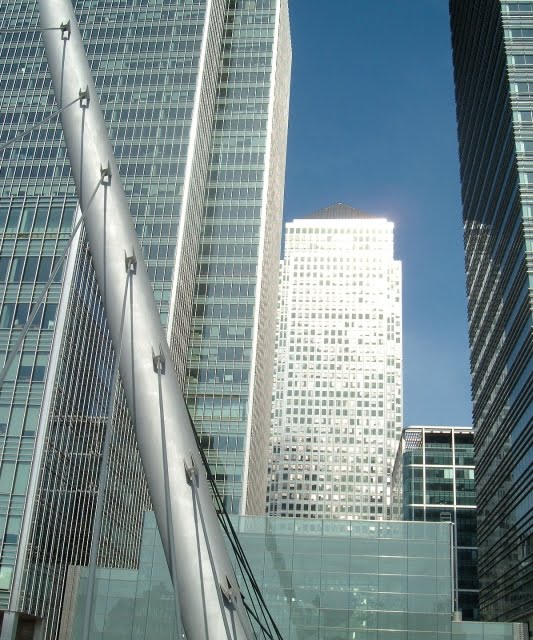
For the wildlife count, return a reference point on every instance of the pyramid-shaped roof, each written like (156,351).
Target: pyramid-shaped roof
(338,211)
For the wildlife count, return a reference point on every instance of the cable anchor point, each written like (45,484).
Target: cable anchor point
(105,175)
(65,30)
(191,471)
(130,262)
(230,593)
(159,361)
(84,97)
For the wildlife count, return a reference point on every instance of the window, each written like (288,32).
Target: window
(21,478)
(30,269)
(4,266)
(27,219)
(32,421)
(7,472)
(45,266)
(6,318)
(40,367)
(16,269)
(25,369)
(6,573)
(49,316)
(14,218)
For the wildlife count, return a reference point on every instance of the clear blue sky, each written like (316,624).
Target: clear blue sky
(372,124)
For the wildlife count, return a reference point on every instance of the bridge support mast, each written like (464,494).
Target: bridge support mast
(210,602)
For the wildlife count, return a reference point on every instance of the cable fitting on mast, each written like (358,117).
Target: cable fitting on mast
(84,97)
(131,267)
(105,175)
(159,361)
(65,30)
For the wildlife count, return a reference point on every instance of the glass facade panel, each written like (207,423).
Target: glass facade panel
(306,604)
(433,480)
(195,95)
(492,59)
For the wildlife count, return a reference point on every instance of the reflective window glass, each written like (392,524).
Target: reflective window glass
(12,529)
(14,217)
(17,266)
(7,471)
(27,219)
(6,318)
(6,572)
(40,218)
(4,266)
(45,266)
(21,478)
(30,269)
(17,419)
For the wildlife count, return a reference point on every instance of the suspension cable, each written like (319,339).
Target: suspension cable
(238,551)
(104,472)
(42,295)
(27,30)
(244,565)
(246,568)
(254,616)
(11,142)
(233,539)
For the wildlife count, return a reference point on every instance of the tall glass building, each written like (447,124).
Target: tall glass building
(433,481)
(493,59)
(337,397)
(196,97)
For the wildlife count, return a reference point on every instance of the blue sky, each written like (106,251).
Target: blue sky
(372,124)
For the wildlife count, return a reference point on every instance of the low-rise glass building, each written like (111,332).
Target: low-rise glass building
(433,481)
(322,580)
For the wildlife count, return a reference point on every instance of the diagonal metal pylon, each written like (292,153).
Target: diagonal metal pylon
(210,602)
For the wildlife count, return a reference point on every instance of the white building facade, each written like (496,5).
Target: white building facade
(337,400)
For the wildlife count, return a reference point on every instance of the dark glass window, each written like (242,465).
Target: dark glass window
(40,218)
(49,316)
(21,314)
(45,266)
(14,217)
(4,266)
(30,269)
(16,269)
(6,318)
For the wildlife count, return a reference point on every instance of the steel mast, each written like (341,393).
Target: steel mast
(209,598)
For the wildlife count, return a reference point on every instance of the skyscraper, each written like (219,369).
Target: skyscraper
(493,60)
(196,97)
(337,397)
(433,481)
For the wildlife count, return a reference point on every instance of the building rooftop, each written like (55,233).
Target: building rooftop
(338,211)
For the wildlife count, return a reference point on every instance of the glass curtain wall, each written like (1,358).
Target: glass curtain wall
(158,67)
(493,61)
(230,355)
(433,481)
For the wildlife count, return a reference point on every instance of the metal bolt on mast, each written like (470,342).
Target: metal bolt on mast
(192,539)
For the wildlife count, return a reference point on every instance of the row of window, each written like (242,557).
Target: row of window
(16,315)
(26,219)
(226,290)
(27,269)
(518,7)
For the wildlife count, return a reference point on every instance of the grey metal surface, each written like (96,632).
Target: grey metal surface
(111,236)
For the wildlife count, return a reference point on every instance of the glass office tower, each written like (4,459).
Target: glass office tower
(337,397)
(433,481)
(196,97)
(493,60)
